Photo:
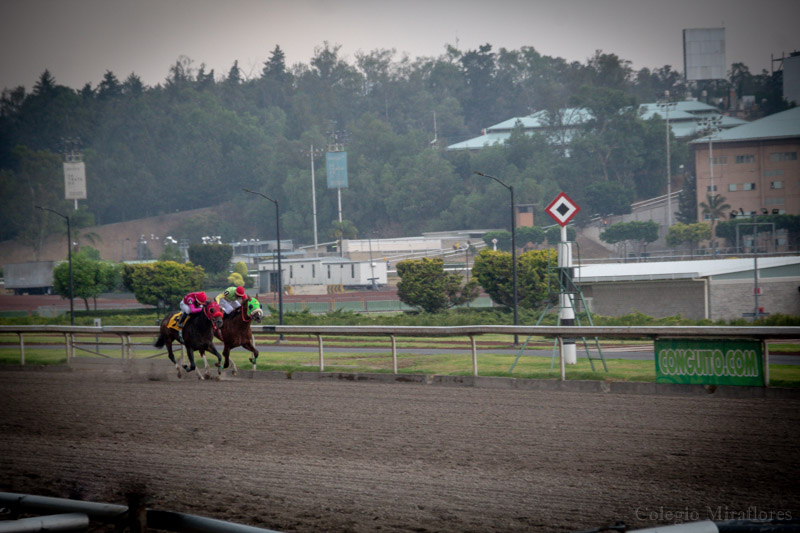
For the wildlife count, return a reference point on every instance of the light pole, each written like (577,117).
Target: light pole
(312,154)
(373,284)
(710,126)
(69,259)
(513,249)
(280,271)
(666,105)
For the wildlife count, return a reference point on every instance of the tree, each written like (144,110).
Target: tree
(503,239)
(529,234)
(89,278)
(714,208)
(689,233)
(553,234)
(687,201)
(425,285)
(163,283)
(343,230)
(494,272)
(171,253)
(609,198)
(639,234)
(215,258)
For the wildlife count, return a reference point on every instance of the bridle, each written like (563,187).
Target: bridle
(207,311)
(246,317)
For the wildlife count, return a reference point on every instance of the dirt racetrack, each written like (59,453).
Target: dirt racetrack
(360,457)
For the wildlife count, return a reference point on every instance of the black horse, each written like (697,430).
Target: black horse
(198,334)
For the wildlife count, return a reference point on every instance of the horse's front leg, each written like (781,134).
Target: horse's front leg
(191,366)
(218,364)
(251,347)
(205,364)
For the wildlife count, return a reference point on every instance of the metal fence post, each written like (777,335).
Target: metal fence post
(21,349)
(474,355)
(394,354)
(321,354)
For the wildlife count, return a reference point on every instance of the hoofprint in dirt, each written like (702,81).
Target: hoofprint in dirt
(340,456)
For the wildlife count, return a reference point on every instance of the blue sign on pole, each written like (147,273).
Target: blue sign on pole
(336,169)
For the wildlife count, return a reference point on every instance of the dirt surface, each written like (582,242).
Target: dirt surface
(360,457)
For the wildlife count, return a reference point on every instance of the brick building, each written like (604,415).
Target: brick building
(753,166)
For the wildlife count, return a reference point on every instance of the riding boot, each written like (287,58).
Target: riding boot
(181,322)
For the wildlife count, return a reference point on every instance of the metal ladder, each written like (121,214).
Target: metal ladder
(566,286)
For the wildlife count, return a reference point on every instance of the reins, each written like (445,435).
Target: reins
(210,319)
(245,316)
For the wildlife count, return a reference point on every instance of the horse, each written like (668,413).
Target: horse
(236,331)
(197,335)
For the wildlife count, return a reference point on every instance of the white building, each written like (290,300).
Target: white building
(320,275)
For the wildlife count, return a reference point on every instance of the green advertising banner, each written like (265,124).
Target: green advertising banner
(336,169)
(710,362)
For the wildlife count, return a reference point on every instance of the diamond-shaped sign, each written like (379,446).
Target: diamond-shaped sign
(562,209)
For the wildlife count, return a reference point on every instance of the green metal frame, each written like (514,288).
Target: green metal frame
(566,285)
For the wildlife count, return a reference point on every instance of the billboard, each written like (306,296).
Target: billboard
(74,180)
(704,54)
(710,361)
(336,169)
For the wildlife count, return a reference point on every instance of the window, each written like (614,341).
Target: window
(706,216)
(783,156)
(353,270)
(721,160)
(291,271)
(775,201)
(772,173)
(313,271)
(747,158)
(708,188)
(776,185)
(748,186)
(731,187)
(329,272)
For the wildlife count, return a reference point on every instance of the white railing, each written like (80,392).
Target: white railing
(559,333)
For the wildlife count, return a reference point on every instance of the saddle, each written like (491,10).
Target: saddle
(173,321)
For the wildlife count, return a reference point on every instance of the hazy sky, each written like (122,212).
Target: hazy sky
(78,40)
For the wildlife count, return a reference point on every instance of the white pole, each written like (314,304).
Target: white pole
(711,162)
(339,195)
(313,199)
(669,170)
(566,312)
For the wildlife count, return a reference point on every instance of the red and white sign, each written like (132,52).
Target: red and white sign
(562,209)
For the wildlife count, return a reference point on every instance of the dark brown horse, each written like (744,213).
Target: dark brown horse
(198,334)
(236,330)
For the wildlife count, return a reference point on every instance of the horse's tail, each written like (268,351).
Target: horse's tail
(162,339)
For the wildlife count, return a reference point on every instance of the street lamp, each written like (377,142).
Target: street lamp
(69,259)
(280,271)
(513,249)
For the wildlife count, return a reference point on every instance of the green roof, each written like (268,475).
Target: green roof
(780,125)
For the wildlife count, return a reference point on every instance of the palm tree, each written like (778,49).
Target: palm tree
(715,209)
(342,230)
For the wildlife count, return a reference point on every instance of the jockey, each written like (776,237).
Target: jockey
(191,303)
(231,299)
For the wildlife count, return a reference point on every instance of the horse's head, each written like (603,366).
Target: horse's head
(254,310)
(213,313)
